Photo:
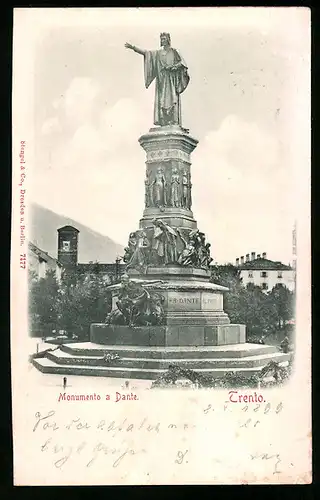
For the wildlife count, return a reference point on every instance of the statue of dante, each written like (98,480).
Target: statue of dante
(171,73)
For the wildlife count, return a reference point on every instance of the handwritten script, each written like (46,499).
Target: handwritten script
(118,443)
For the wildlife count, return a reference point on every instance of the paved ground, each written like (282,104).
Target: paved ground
(37,379)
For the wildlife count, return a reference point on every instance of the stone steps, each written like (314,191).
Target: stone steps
(137,369)
(64,358)
(194,352)
(45,365)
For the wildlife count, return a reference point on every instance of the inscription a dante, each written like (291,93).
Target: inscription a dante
(192,300)
(184,300)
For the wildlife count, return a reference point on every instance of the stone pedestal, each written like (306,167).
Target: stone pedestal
(193,306)
(169,148)
(167,336)
(193,312)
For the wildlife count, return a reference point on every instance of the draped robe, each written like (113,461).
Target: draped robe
(164,243)
(175,190)
(169,84)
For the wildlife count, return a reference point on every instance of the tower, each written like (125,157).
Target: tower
(68,246)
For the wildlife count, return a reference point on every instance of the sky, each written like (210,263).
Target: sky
(243,102)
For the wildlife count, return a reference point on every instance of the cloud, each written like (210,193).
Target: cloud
(97,169)
(79,99)
(122,123)
(83,150)
(243,145)
(237,169)
(234,160)
(50,126)
(85,142)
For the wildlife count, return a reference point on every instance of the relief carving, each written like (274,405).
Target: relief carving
(175,188)
(159,194)
(196,251)
(137,252)
(186,190)
(136,306)
(164,243)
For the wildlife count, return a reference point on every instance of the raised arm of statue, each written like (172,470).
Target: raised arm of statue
(136,49)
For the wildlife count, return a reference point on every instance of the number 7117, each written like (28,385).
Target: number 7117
(23,260)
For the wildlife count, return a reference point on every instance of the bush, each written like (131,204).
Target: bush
(72,305)
(262,313)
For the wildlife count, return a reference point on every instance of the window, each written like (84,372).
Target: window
(250,274)
(264,286)
(264,274)
(66,246)
(280,274)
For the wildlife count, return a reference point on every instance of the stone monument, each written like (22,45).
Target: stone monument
(168,254)
(166,307)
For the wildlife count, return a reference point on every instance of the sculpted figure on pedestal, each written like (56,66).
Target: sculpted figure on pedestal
(188,255)
(186,190)
(129,250)
(159,189)
(148,190)
(140,257)
(206,258)
(196,252)
(202,249)
(164,243)
(175,188)
(137,252)
(170,72)
(136,306)
(197,238)
(200,241)
(189,194)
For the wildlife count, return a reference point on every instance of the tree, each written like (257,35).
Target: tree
(244,305)
(43,294)
(229,276)
(71,305)
(226,275)
(283,301)
(259,311)
(83,299)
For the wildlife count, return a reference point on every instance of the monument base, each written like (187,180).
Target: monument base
(183,335)
(193,312)
(150,362)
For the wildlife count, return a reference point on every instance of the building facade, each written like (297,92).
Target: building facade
(68,238)
(265,273)
(40,262)
(68,246)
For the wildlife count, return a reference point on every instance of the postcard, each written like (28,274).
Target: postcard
(160,264)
